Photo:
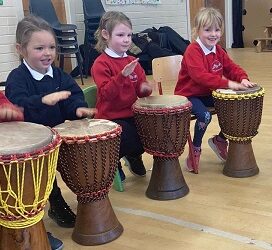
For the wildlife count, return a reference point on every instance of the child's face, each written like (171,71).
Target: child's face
(209,36)
(120,39)
(40,51)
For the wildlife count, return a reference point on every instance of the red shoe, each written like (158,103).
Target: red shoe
(219,147)
(189,161)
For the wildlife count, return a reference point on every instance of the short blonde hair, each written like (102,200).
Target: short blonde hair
(107,22)
(207,17)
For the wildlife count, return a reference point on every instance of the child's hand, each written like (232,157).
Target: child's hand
(236,86)
(53,98)
(129,68)
(248,84)
(85,112)
(10,113)
(146,88)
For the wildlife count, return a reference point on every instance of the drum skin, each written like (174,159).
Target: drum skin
(163,123)
(25,150)
(87,163)
(239,115)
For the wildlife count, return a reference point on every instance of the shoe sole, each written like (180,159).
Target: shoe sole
(127,164)
(186,168)
(59,224)
(59,248)
(214,148)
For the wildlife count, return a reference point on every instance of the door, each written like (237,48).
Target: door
(195,5)
(59,6)
(257,16)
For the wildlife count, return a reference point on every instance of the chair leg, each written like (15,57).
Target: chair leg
(160,88)
(117,183)
(191,153)
(61,61)
(80,65)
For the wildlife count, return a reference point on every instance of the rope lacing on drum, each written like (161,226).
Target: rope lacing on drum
(15,212)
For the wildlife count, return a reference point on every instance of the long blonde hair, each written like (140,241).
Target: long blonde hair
(207,17)
(107,22)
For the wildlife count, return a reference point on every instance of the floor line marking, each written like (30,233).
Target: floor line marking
(197,227)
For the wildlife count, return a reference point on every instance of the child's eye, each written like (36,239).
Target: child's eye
(53,47)
(39,48)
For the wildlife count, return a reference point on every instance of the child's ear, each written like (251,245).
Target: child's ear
(105,34)
(19,48)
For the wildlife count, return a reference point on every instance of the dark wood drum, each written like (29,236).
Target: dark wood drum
(87,163)
(163,123)
(28,161)
(239,115)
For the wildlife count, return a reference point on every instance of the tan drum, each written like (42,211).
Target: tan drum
(88,159)
(163,124)
(239,115)
(28,161)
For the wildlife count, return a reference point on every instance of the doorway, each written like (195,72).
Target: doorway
(195,5)
(59,6)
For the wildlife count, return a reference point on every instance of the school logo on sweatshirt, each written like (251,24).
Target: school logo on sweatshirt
(216,66)
(133,77)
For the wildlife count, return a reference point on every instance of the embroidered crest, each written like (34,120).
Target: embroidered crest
(216,66)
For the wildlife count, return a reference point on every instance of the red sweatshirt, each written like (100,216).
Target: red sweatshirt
(200,73)
(116,93)
(5,103)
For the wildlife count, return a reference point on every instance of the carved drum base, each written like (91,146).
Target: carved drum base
(96,223)
(167,181)
(241,161)
(33,237)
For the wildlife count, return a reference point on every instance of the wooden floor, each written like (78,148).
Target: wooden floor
(218,213)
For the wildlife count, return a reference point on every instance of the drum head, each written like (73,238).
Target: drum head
(163,101)
(230,91)
(84,127)
(23,137)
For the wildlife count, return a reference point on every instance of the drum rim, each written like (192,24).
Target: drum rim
(92,138)
(160,110)
(161,106)
(20,157)
(238,96)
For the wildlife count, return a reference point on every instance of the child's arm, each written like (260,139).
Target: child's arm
(109,78)
(8,111)
(196,66)
(53,98)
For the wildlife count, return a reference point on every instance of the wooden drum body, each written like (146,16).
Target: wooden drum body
(239,115)
(87,163)
(163,124)
(28,161)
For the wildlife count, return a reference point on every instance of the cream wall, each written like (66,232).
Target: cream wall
(10,12)
(171,13)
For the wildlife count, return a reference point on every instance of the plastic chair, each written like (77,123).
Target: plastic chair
(93,11)
(166,69)
(66,33)
(90,97)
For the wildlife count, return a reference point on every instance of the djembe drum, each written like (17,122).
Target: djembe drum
(28,161)
(163,123)
(239,115)
(87,163)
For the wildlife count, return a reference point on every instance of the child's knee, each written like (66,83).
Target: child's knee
(204,120)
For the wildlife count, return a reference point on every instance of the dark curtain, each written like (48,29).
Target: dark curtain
(237,25)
